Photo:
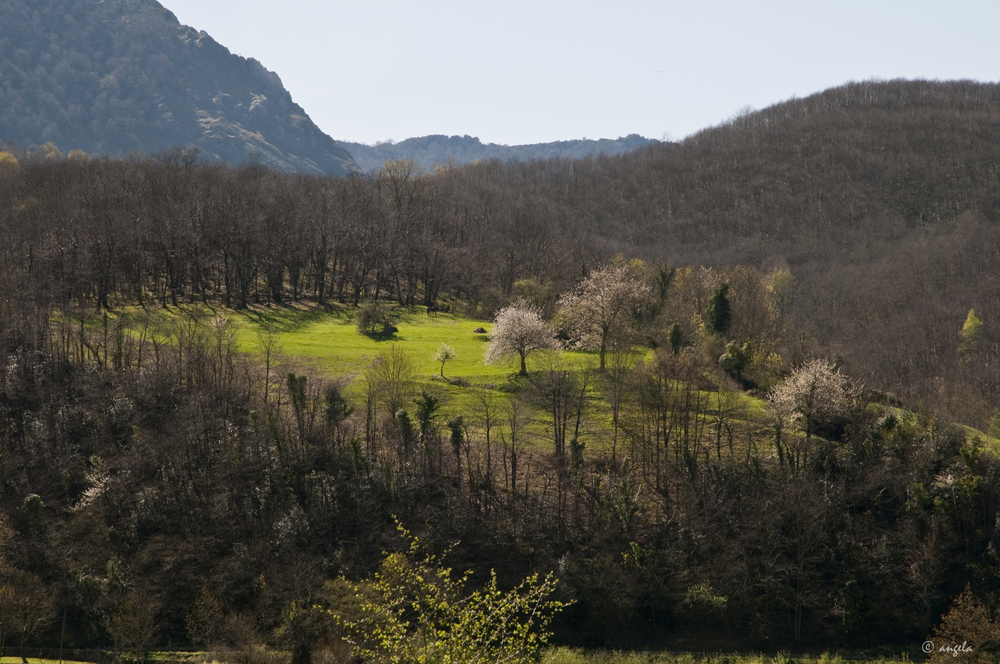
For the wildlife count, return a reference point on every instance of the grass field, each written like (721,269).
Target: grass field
(324,343)
(328,340)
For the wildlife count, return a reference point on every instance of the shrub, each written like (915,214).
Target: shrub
(375,320)
(421,612)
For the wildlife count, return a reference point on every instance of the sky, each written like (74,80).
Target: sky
(515,72)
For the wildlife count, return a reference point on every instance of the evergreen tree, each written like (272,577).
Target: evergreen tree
(719,312)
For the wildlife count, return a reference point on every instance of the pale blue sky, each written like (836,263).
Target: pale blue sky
(515,71)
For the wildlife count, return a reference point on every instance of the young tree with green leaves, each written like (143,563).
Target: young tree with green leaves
(969,337)
(416,610)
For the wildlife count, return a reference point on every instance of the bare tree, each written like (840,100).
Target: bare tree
(133,623)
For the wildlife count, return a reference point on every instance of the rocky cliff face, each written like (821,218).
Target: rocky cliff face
(120,76)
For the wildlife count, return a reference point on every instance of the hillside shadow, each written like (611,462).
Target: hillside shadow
(289,318)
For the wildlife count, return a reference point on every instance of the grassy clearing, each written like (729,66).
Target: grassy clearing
(327,344)
(324,343)
(328,340)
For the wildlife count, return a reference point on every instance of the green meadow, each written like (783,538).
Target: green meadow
(328,341)
(324,344)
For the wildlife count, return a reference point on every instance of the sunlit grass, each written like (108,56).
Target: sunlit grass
(324,344)
(328,340)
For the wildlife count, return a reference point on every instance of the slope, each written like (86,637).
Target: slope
(880,197)
(119,76)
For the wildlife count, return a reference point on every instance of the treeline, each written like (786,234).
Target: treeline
(173,231)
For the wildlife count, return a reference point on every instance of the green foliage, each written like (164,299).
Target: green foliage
(423,613)
(427,408)
(675,337)
(302,626)
(456,426)
(206,620)
(336,406)
(375,320)
(405,424)
(735,359)
(443,354)
(719,313)
(702,596)
(969,337)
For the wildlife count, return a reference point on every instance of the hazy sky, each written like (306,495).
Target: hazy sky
(514,72)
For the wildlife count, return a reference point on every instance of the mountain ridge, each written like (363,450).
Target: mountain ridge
(439,149)
(126,76)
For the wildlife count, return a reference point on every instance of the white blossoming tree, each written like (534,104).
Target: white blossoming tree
(813,395)
(518,329)
(602,309)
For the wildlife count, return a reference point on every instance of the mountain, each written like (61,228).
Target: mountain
(118,76)
(430,151)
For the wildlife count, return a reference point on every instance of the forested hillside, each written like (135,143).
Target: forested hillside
(681,488)
(123,76)
(880,198)
(429,152)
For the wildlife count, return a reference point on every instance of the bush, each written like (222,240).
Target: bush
(422,612)
(375,320)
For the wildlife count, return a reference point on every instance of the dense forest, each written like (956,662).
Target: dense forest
(147,477)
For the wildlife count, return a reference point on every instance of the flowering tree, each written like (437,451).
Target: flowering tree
(443,354)
(602,308)
(517,330)
(815,394)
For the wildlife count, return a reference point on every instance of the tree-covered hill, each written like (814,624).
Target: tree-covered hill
(843,240)
(880,197)
(430,151)
(123,76)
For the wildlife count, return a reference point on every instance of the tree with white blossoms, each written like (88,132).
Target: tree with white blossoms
(443,354)
(602,309)
(815,394)
(518,329)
